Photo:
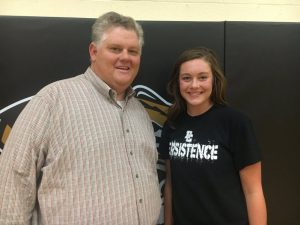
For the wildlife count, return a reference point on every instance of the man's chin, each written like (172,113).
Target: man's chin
(125,79)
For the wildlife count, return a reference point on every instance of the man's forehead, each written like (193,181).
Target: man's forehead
(120,38)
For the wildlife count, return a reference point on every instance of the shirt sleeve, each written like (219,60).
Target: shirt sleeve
(20,163)
(163,148)
(244,143)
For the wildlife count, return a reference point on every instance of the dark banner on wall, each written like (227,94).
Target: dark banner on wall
(259,59)
(262,66)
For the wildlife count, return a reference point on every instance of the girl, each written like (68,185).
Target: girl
(213,168)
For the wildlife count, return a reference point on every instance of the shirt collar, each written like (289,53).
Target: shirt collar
(103,88)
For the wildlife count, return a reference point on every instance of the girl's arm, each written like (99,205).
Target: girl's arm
(252,186)
(168,196)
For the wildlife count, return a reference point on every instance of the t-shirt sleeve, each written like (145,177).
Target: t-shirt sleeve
(163,148)
(244,143)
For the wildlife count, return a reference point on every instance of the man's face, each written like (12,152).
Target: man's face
(116,59)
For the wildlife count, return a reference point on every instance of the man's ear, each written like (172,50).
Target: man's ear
(93,51)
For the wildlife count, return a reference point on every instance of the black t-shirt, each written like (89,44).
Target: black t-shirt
(206,153)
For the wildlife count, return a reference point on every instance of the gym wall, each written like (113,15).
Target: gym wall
(260,60)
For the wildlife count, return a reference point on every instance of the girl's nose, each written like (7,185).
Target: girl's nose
(195,83)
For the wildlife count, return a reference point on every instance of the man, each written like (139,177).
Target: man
(83,150)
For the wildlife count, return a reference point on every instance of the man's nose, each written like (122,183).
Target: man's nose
(124,54)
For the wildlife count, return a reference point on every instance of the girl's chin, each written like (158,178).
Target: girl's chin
(198,105)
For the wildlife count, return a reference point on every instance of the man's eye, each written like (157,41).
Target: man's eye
(133,52)
(115,49)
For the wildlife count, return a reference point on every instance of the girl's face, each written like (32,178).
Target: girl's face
(195,84)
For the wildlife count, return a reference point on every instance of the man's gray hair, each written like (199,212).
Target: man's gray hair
(113,19)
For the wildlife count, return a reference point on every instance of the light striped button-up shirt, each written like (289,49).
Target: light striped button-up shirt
(74,156)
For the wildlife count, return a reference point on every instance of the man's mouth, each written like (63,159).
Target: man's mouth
(123,68)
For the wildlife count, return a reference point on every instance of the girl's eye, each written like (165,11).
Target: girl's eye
(185,78)
(202,77)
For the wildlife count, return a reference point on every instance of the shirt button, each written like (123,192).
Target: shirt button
(127,130)
(137,176)
(131,153)
(141,200)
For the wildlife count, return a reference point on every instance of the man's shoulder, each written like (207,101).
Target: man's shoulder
(53,92)
(61,85)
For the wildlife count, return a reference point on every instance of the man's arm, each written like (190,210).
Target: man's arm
(20,161)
